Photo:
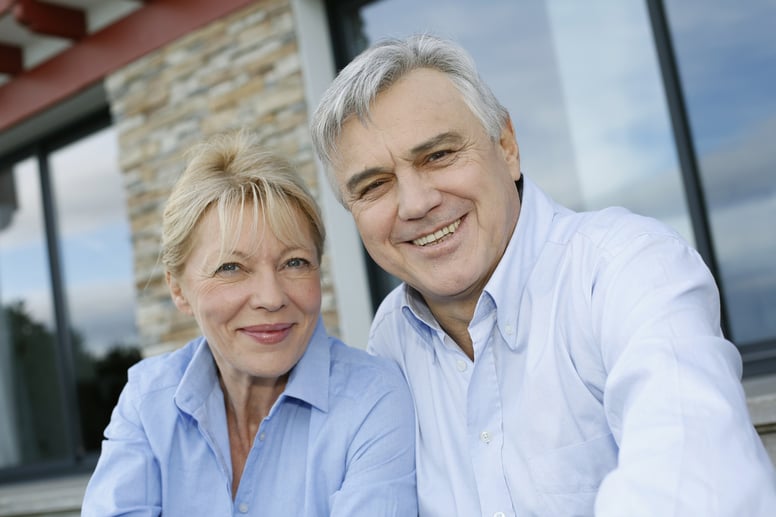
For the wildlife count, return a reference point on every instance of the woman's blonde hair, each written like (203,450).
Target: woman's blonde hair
(231,173)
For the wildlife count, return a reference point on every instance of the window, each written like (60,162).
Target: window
(727,64)
(67,329)
(585,87)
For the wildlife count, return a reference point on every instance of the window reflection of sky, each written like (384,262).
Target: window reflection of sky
(24,273)
(94,243)
(727,57)
(582,84)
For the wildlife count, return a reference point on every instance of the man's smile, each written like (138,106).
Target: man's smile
(435,236)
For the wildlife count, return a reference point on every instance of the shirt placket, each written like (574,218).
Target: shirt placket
(485,428)
(243,502)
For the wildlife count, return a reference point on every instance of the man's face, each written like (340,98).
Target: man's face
(432,195)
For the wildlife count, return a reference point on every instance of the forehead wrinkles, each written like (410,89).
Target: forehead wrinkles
(362,146)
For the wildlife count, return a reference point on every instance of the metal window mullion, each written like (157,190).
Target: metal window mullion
(685,147)
(65,363)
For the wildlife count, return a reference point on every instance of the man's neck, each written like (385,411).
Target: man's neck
(454,318)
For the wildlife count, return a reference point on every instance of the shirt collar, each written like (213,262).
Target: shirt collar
(309,380)
(510,277)
(199,384)
(419,316)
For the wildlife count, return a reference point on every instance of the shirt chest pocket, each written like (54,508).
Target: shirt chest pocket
(568,478)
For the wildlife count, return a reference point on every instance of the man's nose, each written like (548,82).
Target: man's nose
(416,195)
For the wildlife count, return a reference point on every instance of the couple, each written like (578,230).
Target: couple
(559,363)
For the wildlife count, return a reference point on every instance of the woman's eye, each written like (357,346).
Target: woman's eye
(229,267)
(296,263)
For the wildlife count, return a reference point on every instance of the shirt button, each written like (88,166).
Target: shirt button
(243,508)
(461,365)
(509,330)
(499,514)
(262,436)
(485,437)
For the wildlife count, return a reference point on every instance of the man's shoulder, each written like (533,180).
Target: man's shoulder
(612,228)
(390,308)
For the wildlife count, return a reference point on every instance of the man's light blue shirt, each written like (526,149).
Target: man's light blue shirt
(338,442)
(601,384)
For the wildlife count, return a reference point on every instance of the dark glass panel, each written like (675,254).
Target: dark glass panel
(32,426)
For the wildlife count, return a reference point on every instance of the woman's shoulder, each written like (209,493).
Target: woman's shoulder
(163,370)
(356,373)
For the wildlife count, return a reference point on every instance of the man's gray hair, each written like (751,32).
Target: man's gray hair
(377,69)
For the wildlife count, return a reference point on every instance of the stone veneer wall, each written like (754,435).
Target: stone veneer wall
(243,70)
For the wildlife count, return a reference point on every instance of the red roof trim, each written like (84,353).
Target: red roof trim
(97,55)
(50,19)
(11,61)
(5,5)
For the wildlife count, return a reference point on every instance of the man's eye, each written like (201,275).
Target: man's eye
(371,188)
(438,155)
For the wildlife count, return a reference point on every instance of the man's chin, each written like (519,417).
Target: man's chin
(448,290)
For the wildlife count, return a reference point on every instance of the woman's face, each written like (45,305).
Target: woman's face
(258,305)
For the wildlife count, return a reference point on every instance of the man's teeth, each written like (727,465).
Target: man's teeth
(431,237)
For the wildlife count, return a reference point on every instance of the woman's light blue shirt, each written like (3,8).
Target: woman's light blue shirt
(340,441)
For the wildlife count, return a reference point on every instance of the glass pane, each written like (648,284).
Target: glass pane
(95,246)
(727,62)
(31,422)
(582,84)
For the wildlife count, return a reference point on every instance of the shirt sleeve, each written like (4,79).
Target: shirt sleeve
(126,480)
(380,472)
(673,396)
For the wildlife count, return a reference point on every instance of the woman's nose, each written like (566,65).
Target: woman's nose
(267,291)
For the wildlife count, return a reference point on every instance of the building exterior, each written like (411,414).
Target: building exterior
(622,103)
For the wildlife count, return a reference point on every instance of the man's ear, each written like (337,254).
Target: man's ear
(508,144)
(177,294)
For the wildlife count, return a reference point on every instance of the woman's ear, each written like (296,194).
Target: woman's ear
(177,294)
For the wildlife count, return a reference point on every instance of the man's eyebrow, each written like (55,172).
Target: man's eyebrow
(448,137)
(359,177)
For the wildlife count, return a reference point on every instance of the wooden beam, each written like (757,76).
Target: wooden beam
(5,6)
(11,61)
(99,54)
(50,19)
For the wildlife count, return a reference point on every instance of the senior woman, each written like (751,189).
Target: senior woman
(264,414)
